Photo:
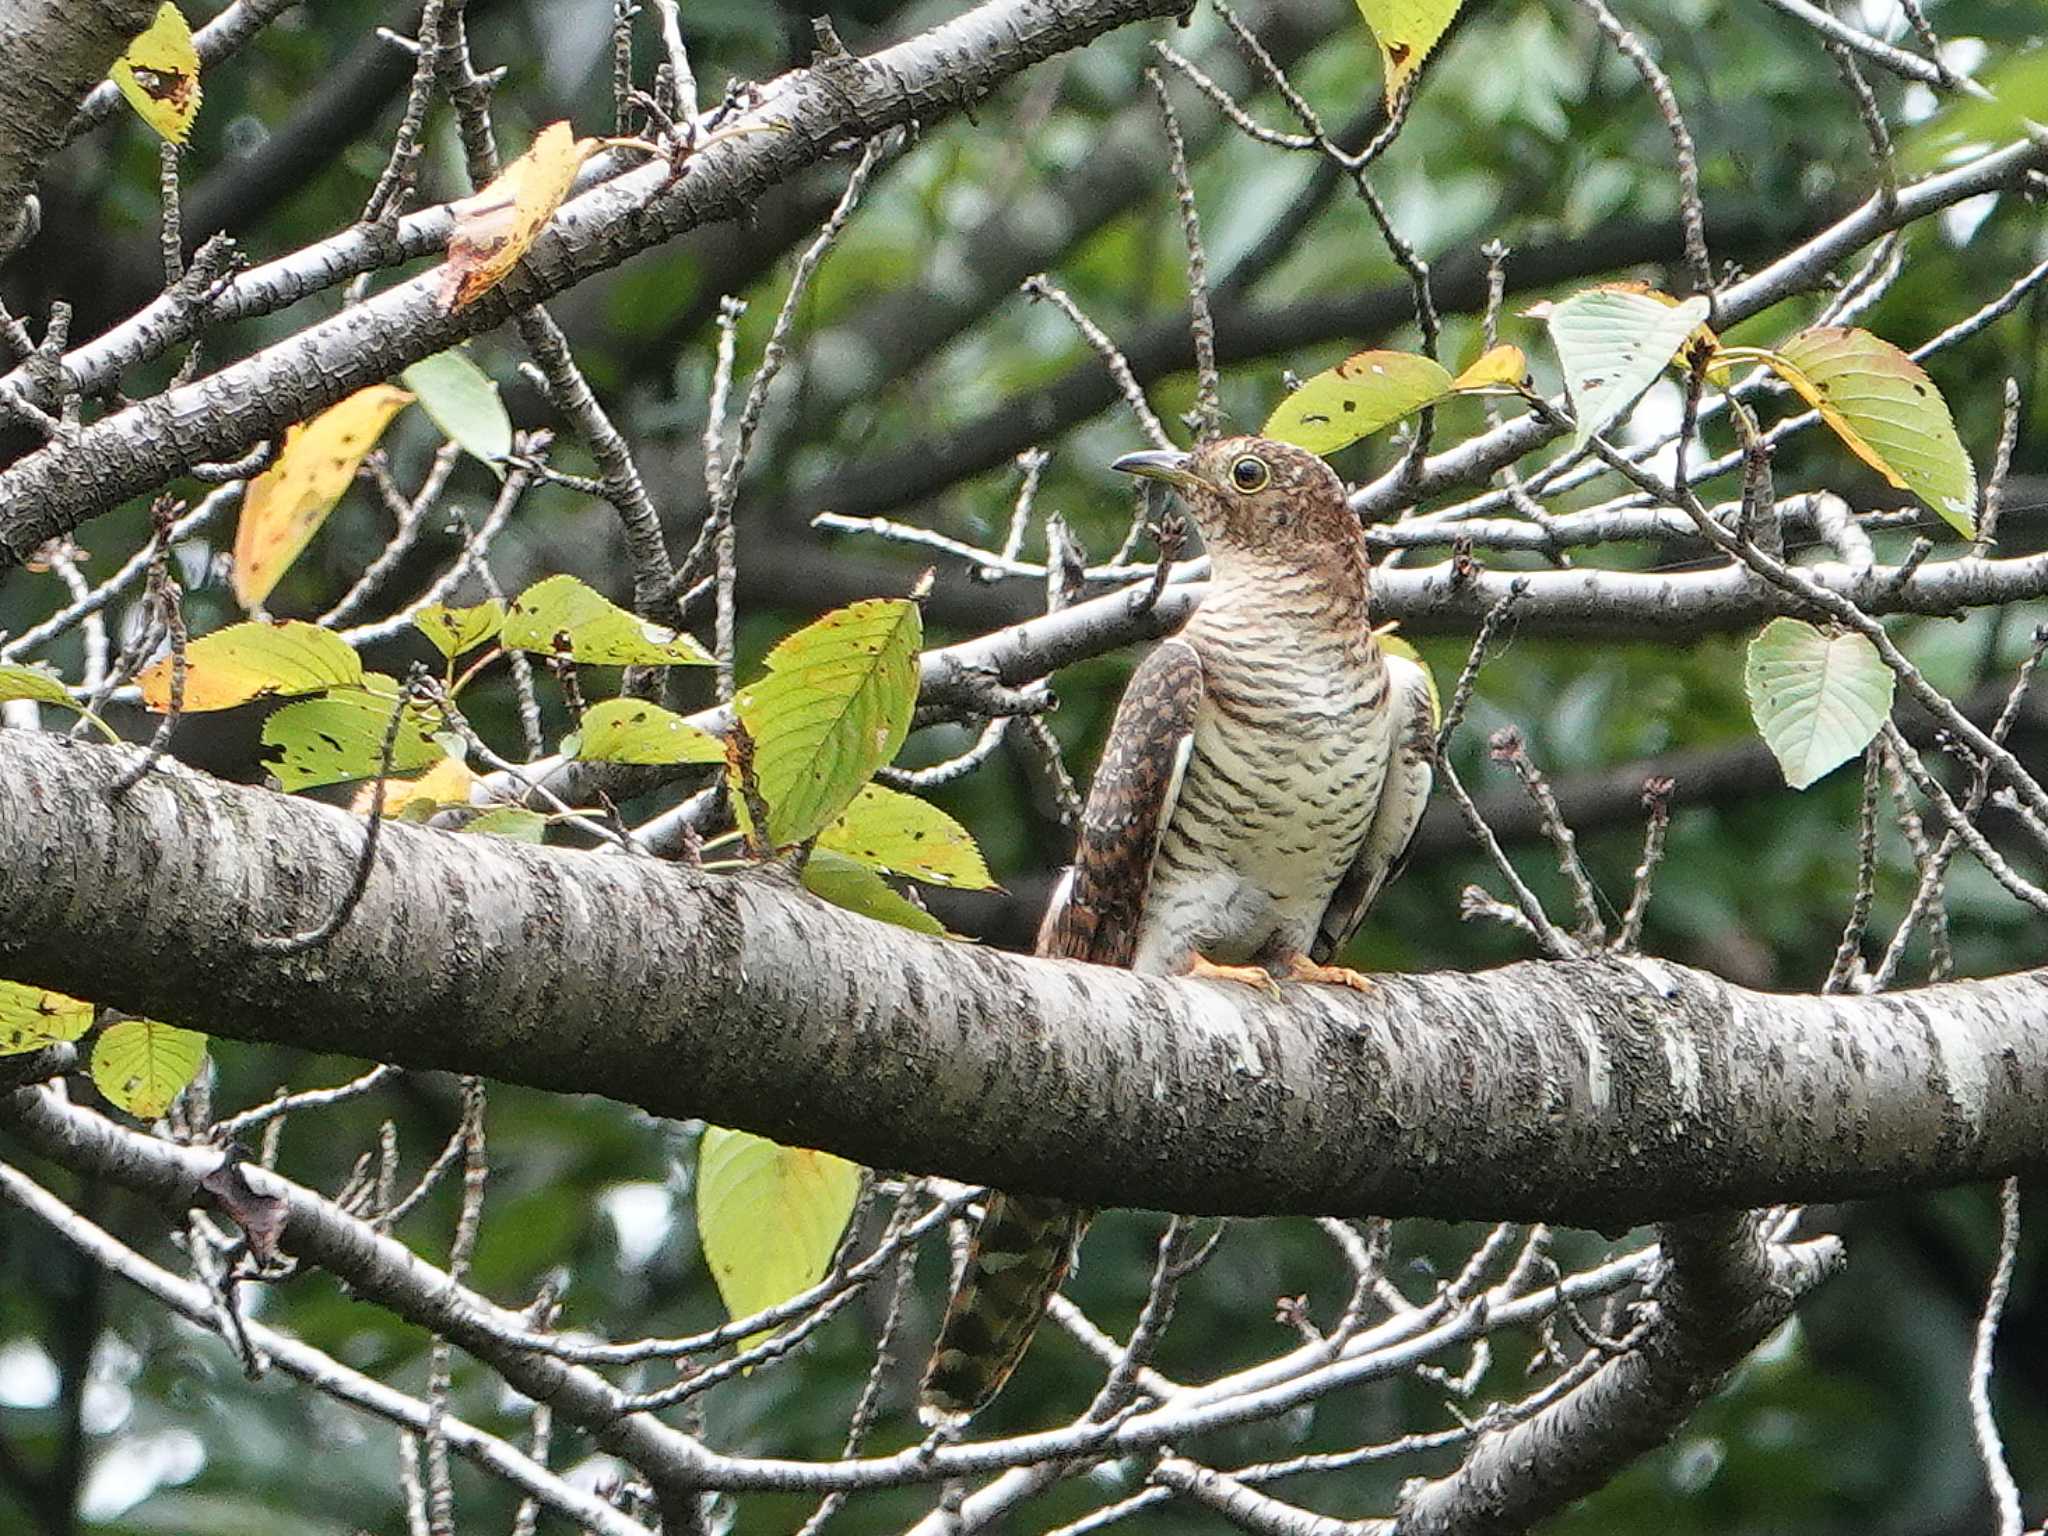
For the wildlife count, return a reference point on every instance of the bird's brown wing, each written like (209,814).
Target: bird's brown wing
(1025,1244)
(1403,794)
(1095,912)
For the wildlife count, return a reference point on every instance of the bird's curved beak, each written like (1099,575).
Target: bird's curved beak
(1159,464)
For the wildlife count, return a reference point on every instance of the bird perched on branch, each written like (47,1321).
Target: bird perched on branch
(1265,772)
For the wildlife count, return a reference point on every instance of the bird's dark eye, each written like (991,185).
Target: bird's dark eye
(1250,473)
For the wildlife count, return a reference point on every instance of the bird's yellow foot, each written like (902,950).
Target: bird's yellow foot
(1301,968)
(1250,975)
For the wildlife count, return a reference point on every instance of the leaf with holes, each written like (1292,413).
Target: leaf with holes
(1406,31)
(339,737)
(562,616)
(1613,344)
(286,504)
(462,400)
(1365,392)
(141,1065)
(257,660)
(634,731)
(1883,405)
(159,74)
(32,1017)
(886,829)
(1817,698)
(769,1217)
(493,228)
(455,630)
(845,882)
(834,707)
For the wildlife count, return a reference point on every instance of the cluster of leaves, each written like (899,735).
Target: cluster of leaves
(1818,696)
(834,705)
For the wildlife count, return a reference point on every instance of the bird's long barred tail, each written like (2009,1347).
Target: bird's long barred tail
(1020,1255)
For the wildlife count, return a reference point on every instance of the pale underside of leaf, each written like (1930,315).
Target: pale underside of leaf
(1817,699)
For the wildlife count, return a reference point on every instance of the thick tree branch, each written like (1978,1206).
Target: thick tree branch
(1602,1093)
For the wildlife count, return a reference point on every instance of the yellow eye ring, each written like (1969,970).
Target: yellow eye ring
(1250,474)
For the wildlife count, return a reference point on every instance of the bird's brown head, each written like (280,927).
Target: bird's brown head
(1256,498)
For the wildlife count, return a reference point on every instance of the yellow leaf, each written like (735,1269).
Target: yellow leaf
(446,783)
(254,661)
(494,227)
(31,1018)
(769,1217)
(141,1065)
(159,74)
(1882,404)
(1498,367)
(886,829)
(288,502)
(1406,31)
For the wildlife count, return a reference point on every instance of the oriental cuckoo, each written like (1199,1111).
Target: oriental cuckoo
(1264,774)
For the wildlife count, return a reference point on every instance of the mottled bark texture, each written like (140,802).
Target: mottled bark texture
(1603,1093)
(55,52)
(808,116)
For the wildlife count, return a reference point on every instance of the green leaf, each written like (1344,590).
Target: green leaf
(256,660)
(1883,405)
(32,1017)
(847,883)
(1613,343)
(511,821)
(1406,31)
(597,631)
(455,630)
(2017,84)
(886,829)
(141,1065)
(1365,392)
(340,736)
(32,683)
(834,707)
(769,1217)
(631,731)
(1818,699)
(463,402)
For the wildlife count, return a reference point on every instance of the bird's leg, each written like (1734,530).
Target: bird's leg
(1250,975)
(1298,967)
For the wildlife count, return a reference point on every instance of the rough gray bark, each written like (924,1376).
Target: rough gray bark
(1603,1093)
(56,52)
(815,113)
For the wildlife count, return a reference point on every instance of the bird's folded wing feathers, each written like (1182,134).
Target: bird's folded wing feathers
(1402,798)
(1094,914)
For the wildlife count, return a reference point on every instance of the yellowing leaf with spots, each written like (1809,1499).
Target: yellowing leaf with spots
(256,660)
(159,74)
(32,1017)
(834,707)
(1882,404)
(769,1217)
(286,504)
(340,736)
(455,630)
(559,615)
(1406,31)
(1365,392)
(141,1065)
(634,731)
(887,829)
(494,227)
